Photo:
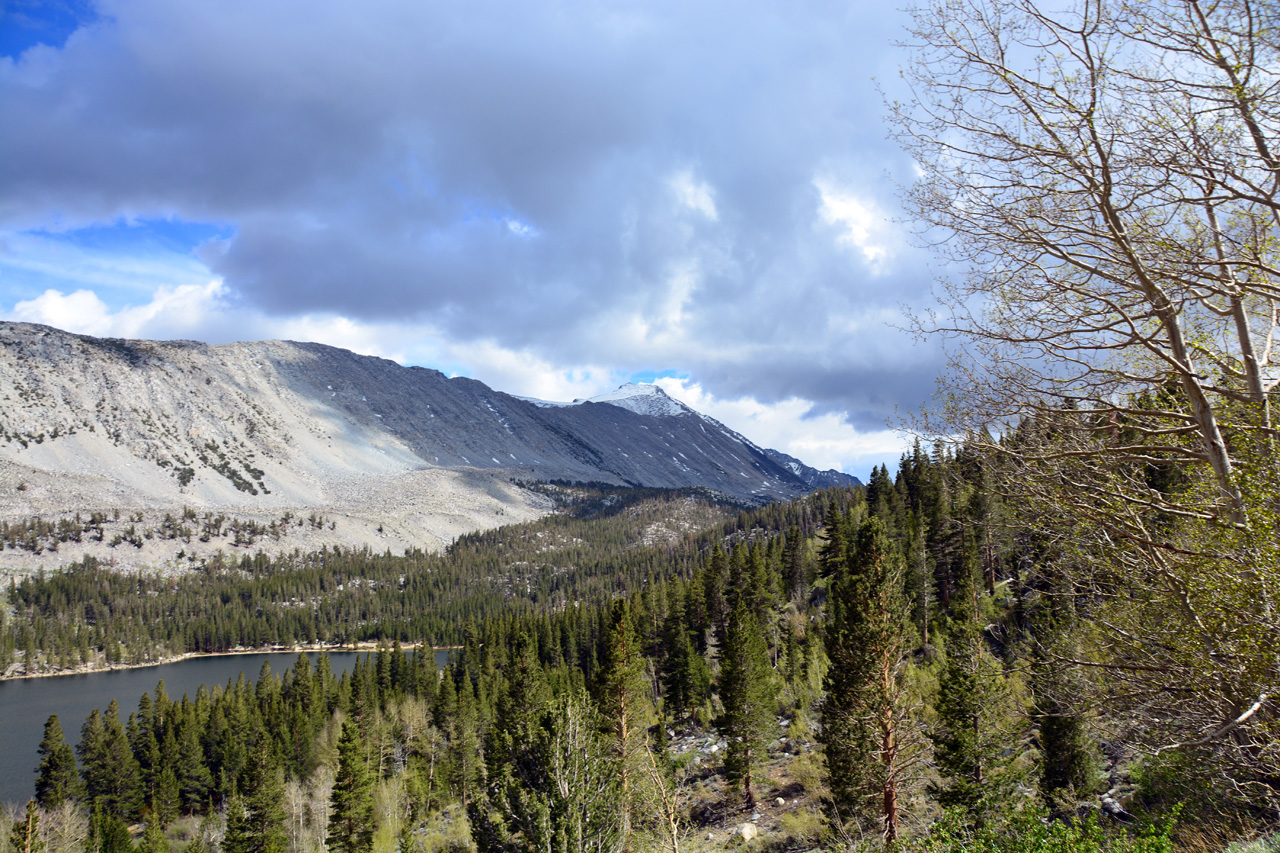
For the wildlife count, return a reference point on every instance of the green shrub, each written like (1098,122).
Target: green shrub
(1029,832)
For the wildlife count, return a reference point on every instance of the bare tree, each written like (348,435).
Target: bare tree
(1104,176)
(65,828)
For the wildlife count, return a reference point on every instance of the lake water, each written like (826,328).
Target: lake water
(25,704)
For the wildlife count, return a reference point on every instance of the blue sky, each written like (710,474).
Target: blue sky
(26,23)
(553,199)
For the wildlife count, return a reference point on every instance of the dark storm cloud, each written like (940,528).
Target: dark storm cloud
(538,175)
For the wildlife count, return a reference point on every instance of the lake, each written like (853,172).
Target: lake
(26,703)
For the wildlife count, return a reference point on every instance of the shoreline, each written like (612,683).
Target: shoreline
(362,646)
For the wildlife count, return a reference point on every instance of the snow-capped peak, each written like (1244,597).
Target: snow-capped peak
(643,400)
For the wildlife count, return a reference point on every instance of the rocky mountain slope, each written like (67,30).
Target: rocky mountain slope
(392,456)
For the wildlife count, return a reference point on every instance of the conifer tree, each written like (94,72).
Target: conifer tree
(1068,757)
(168,797)
(1067,763)
(57,779)
(685,676)
(194,780)
(466,764)
(238,835)
(747,693)
(627,711)
(568,803)
(514,803)
(25,835)
(833,553)
(795,564)
(869,745)
(351,821)
(519,708)
(763,580)
(107,833)
(110,770)
(979,722)
(259,809)
(714,578)
(153,838)
(141,731)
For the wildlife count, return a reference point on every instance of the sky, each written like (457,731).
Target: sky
(553,197)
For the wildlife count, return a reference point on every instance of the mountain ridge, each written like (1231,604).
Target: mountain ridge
(267,426)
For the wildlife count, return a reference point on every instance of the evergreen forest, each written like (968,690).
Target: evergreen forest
(901,665)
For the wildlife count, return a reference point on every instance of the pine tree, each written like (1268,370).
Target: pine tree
(153,839)
(141,732)
(514,803)
(25,835)
(868,742)
(193,777)
(627,712)
(237,838)
(568,803)
(979,721)
(255,816)
(107,833)
(1067,757)
(465,771)
(833,553)
(351,822)
(795,565)
(747,693)
(168,797)
(684,673)
(110,770)
(57,779)
(714,577)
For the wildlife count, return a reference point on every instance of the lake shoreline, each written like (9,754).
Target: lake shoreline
(362,646)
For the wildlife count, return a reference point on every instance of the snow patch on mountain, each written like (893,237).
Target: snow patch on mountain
(640,398)
(542,404)
(643,400)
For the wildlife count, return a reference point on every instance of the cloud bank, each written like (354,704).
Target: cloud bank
(552,196)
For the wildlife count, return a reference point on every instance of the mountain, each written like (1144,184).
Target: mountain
(402,456)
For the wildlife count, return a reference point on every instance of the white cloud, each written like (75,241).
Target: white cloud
(526,375)
(589,190)
(694,194)
(862,223)
(520,229)
(171,312)
(81,312)
(823,441)
(203,312)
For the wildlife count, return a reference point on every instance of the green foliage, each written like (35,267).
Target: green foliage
(565,798)
(540,729)
(747,693)
(351,822)
(865,715)
(25,834)
(978,719)
(627,712)
(57,779)
(255,814)
(1029,832)
(153,838)
(111,773)
(594,549)
(107,833)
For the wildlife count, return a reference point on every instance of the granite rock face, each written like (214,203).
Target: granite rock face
(256,427)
